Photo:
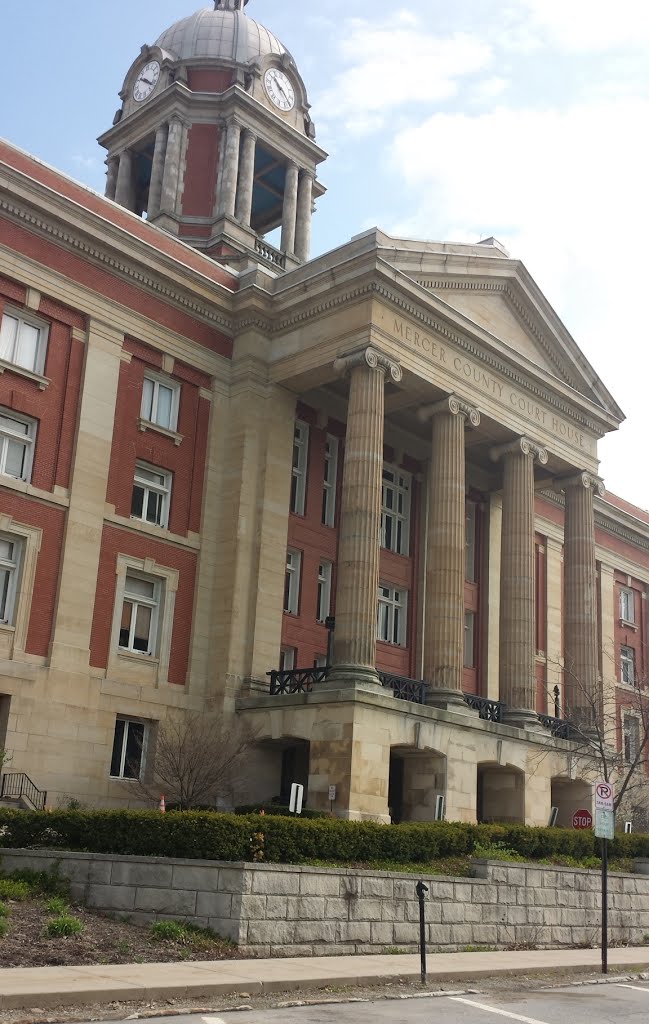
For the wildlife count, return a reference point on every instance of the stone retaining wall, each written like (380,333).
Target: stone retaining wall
(276,910)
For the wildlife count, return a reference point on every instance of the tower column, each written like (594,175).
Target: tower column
(517,605)
(304,213)
(112,170)
(360,521)
(157,171)
(246,177)
(124,190)
(289,211)
(580,599)
(446,551)
(230,168)
(171,175)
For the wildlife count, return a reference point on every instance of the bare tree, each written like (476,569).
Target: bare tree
(196,761)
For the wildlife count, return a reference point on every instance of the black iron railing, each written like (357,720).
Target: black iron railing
(16,785)
(413,690)
(295,680)
(559,727)
(488,710)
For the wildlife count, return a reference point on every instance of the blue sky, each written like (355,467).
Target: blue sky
(523,119)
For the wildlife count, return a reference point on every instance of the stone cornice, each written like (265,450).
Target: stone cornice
(611,520)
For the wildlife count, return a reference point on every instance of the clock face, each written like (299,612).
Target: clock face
(279,89)
(146,81)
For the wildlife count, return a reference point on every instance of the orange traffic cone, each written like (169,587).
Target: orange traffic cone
(163,806)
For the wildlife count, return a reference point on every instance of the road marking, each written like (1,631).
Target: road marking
(636,988)
(494,1009)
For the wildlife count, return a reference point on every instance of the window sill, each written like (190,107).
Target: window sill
(145,522)
(120,778)
(149,659)
(173,435)
(389,643)
(21,371)
(626,624)
(6,627)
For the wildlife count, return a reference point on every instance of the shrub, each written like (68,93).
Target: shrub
(12,890)
(4,927)
(57,906)
(62,926)
(168,931)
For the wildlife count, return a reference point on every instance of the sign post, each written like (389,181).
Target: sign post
(605,830)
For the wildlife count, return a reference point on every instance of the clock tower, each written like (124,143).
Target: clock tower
(214,142)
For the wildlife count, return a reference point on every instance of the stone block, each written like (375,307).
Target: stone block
(493,913)
(486,894)
(225,927)
(380,887)
(516,915)
(507,894)
(315,931)
(393,910)
(534,878)
(305,908)
(151,875)
(452,913)
(463,892)
(439,934)
(336,909)
(181,902)
(404,888)
(304,950)
(404,933)
(214,904)
(441,891)
(248,907)
(319,885)
(485,934)
(272,933)
(433,911)
(205,879)
(235,880)
(276,907)
(472,913)
(276,883)
(461,935)
(516,875)
(111,897)
(382,933)
(75,870)
(353,931)
(365,910)
(99,872)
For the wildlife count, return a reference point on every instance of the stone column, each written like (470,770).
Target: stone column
(124,190)
(304,211)
(157,172)
(446,551)
(171,176)
(581,668)
(517,606)
(360,520)
(230,168)
(246,178)
(289,211)
(112,169)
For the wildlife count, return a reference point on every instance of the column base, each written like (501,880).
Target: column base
(342,677)
(522,718)
(446,699)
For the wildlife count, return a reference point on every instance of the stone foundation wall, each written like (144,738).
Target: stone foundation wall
(276,910)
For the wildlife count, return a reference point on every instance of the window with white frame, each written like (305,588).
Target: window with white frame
(324,590)
(391,617)
(17,435)
(129,749)
(469,639)
(470,550)
(10,549)
(151,491)
(286,659)
(627,604)
(23,341)
(395,510)
(630,737)
(320,661)
(329,483)
(292,582)
(627,665)
(140,610)
(300,457)
(160,399)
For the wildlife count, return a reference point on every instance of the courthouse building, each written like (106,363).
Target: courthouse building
(212,447)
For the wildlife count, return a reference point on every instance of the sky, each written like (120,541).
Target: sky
(451,120)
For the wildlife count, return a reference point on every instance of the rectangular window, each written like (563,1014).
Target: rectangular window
(329,485)
(160,402)
(470,573)
(292,582)
(129,742)
(324,590)
(138,627)
(391,617)
(627,665)
(469,639)
(631,737)
(286,659)
(150,499)
(395,511)
(320,661)
(9,568)
(627,605)
(300,457)
(17,435)
(22,342)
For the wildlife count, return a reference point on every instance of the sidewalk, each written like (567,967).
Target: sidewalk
(55,986)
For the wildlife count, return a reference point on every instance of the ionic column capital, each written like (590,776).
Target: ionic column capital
(451,404)
(523,445)
(584,479)
(371,357)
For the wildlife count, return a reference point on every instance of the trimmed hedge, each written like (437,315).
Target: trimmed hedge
(204,835)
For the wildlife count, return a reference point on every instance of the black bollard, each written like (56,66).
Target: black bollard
(421,891)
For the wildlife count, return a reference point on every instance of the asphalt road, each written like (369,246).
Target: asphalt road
(618,1003)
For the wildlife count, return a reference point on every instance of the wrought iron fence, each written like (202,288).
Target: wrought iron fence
(559,727)
(295,680)
(16,785)
(488,710)
(413,690)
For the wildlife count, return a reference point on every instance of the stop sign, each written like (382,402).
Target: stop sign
(582,819)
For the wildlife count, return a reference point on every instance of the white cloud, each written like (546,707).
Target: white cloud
(589,25)
(565,191)
(397,62)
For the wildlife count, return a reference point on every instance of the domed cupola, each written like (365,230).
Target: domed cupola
(214,141)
